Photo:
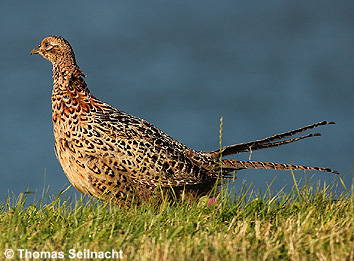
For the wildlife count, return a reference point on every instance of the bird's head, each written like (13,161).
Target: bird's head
(56,49)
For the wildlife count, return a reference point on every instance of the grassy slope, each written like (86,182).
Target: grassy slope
(297,226)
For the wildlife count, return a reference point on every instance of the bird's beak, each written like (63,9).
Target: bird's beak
(35,50)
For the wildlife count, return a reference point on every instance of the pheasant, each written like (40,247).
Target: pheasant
(112,155)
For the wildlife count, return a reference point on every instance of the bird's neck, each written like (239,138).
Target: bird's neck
(68,78)
(69,89)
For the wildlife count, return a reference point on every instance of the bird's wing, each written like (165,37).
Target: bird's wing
(137,149)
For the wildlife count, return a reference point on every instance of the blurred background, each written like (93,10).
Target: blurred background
(264,66)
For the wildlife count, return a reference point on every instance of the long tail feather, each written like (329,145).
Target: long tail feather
(279,143)
(266,142)
(237,165)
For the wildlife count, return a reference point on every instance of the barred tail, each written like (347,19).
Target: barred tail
(236,165)
(268,142)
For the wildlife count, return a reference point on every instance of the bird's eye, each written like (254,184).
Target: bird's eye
(46,44)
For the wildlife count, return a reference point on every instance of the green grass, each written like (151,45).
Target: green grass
(301,225)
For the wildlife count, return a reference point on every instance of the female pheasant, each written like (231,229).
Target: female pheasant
(110,154)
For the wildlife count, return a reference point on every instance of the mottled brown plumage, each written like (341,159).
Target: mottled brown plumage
(108,153)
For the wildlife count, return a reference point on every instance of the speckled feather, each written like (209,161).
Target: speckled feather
(108,153)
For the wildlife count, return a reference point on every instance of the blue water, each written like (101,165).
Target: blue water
(264,66)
